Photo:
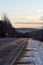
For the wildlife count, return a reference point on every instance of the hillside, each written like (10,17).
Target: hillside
(24,30)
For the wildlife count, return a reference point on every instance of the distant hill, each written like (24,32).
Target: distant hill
(24,30)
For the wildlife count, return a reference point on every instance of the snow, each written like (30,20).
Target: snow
(36,45)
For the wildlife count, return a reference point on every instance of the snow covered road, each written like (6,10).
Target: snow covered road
(37,48)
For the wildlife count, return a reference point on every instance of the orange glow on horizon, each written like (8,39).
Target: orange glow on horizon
(27,25)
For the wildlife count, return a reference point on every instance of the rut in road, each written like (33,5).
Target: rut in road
(29,57)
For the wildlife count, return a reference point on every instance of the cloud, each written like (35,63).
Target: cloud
(29,22)
(27,19)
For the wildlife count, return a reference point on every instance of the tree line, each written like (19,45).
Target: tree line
(6,28)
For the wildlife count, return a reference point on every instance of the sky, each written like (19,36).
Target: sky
(23,11)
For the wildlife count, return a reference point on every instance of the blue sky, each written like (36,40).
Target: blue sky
(21,8)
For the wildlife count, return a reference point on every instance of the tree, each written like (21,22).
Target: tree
(6,20)
(6,25)
(6,29)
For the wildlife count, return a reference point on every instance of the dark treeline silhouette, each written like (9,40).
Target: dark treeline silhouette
(38,35)
(6,28)
(35,34)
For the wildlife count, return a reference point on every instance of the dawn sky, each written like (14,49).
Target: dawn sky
(22,10)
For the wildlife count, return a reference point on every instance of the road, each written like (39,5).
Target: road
(39,47)
(33,54)
(7,47)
